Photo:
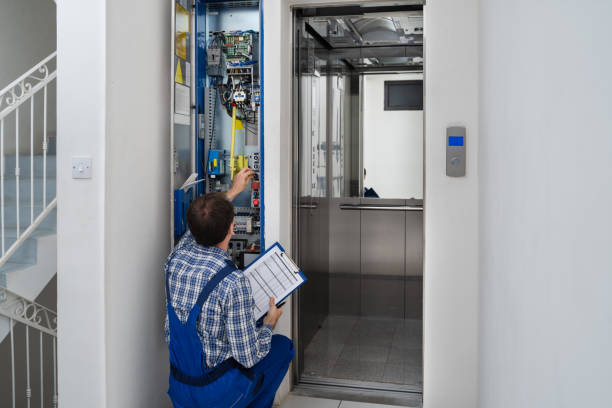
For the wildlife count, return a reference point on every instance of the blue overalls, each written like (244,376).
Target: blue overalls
(229,384)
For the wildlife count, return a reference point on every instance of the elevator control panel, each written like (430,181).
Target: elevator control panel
(455,151)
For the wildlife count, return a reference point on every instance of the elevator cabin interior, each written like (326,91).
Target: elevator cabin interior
(358,192)
(217,89)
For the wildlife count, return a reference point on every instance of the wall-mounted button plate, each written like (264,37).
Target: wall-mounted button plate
(81,167)
(455,151)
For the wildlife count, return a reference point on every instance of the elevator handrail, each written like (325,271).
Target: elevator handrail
(381,207)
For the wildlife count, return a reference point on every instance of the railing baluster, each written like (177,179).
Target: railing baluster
(12,362)
(45,145)
(16,310)
(32,160)
(17,167)
(28,389)
(42,387)
(54,372)
(13,98)
(2,165)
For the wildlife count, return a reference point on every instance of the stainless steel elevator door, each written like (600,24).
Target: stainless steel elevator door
(359,318)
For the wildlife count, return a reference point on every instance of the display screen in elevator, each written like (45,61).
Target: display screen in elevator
(455,140)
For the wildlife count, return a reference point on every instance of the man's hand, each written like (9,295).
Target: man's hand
(240,182)
(274,313)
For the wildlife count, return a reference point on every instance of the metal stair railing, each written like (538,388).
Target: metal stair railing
(23,90)
(37,318)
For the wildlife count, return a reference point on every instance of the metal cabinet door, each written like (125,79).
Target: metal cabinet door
(182,113)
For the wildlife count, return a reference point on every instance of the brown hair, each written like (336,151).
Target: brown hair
(209,218)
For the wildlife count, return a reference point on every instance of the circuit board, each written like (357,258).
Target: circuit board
(238,46)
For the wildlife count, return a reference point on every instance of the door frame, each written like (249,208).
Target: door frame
(451,210)
(334,388)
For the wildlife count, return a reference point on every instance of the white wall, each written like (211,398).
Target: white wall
(451,207)
(137,208)
(113,229)
(392,142)
(546,263)
(28,36)
(80,214)
(112,293)
(277,140)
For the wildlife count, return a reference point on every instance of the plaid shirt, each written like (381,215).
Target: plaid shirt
(226,325)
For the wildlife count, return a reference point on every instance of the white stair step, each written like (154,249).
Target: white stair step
(10,193)
(29,279)
(15,266)
(10,218)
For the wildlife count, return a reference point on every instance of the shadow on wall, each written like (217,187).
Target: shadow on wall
(28,36)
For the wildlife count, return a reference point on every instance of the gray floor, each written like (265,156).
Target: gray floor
(296,401)
(367,349)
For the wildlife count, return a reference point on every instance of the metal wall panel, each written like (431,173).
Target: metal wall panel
(345,258)
(383,248)
(414,264)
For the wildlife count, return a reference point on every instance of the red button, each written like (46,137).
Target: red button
(255,203)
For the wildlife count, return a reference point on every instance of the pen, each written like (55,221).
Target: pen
(281,304)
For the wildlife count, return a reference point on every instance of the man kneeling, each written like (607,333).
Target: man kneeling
(218,355)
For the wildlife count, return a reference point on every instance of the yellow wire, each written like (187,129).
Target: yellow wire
(232,157)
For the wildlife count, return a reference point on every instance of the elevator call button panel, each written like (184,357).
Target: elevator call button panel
(455,151)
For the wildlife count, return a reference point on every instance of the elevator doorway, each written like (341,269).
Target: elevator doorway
(358,199)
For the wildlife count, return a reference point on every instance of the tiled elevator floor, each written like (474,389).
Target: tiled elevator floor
(367,349)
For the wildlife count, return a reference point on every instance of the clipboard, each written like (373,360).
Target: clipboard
(272,274)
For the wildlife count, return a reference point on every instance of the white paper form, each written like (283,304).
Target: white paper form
(275,275)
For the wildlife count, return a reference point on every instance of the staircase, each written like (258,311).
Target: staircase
(33,265)
(28,241)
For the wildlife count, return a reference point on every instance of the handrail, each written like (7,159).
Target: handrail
(381,207)
(28,312)
(308,206)
(25,234)
(24,87)
(28,72)
(14,307)
(17,309)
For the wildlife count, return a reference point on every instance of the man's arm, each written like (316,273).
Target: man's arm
(247,343)
(240,182)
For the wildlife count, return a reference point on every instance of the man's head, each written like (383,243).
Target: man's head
(210,218)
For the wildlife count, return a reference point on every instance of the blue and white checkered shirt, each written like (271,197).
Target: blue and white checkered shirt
(226,325)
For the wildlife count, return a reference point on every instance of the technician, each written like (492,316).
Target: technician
(218,355)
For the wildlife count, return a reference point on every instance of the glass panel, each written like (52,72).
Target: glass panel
(392,143)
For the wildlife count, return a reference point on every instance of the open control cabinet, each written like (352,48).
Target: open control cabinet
(217,111)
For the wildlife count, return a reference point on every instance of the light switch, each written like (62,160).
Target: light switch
(81,167)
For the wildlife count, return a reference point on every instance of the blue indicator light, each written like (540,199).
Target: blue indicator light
(455,140)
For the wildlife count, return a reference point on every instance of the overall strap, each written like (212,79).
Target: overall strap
(212,284)
(167,273)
